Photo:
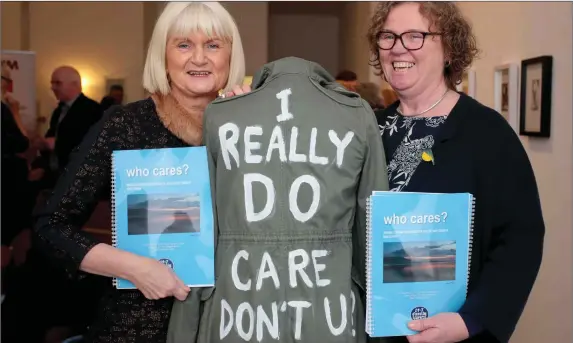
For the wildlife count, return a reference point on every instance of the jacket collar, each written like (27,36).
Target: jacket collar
(291,65)
(317,75)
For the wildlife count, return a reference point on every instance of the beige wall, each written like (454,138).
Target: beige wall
(354,25)
(107,40)
(87,36)
(538,28)
(315,46)
(252,19)
(11,25)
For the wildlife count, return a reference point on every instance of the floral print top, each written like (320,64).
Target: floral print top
(405,139)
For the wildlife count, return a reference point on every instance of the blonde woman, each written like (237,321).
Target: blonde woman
(195,52)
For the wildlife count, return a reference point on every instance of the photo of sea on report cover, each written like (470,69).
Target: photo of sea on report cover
(418,257)
(424,261)
(162,209)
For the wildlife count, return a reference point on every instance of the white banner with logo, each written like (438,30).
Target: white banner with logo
(20,68)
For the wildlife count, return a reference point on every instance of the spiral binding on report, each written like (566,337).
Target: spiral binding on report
(113,224)
(369,317)
(470,240)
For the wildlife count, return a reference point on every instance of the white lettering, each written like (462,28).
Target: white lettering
(267,270)
(353,299)
(293,197)
(312,157)
(250,146)
(340,145)
(336,331)
(283,97)
(235,271)
(318,267)
(224,329)
(248,180)
(277,142)
(245,307)
(229,145)
(295,267)
(299,305)
(293,156)
(262,318)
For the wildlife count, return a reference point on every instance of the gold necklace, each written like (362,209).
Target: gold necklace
(434,105)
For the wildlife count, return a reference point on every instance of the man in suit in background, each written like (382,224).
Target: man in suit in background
(70,122)
(62,308)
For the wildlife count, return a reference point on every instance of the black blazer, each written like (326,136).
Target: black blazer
(80,117)
(478,152)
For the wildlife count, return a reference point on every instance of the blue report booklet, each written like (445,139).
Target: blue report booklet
(162,209)
(418,257)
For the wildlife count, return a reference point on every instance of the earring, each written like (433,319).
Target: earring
(447,64)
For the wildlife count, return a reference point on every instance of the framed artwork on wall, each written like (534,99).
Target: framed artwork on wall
(535,106)
(468,84)
(506,92)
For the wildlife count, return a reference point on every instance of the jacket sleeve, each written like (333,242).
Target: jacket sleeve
(514,256)
(84,182)
(53,124)
(373,178)
(186,315)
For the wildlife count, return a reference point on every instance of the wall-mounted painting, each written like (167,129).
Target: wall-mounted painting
(535,106)
(468,84)
(506,92)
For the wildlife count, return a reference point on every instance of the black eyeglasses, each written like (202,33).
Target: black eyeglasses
(411,40)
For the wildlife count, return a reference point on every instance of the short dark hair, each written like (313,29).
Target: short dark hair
(116,88)
(346,75)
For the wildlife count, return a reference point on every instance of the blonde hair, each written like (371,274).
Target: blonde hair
(182,18)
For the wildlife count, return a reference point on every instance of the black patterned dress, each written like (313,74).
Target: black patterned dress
(124,316)
(405,140)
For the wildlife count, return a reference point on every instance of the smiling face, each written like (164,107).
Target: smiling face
(197,65)
(411,71)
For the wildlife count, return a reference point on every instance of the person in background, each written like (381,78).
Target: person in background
(370,92)
(195,51)
(8,97)
(348,79)
(54,301)
(70,122)
(421,50)
(16,213)
(115,97)
(17,207)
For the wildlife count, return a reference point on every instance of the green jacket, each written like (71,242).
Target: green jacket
(291,165)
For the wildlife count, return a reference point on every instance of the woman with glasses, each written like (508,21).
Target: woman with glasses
(421,50)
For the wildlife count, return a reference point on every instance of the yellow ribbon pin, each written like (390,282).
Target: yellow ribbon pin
(428,156)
